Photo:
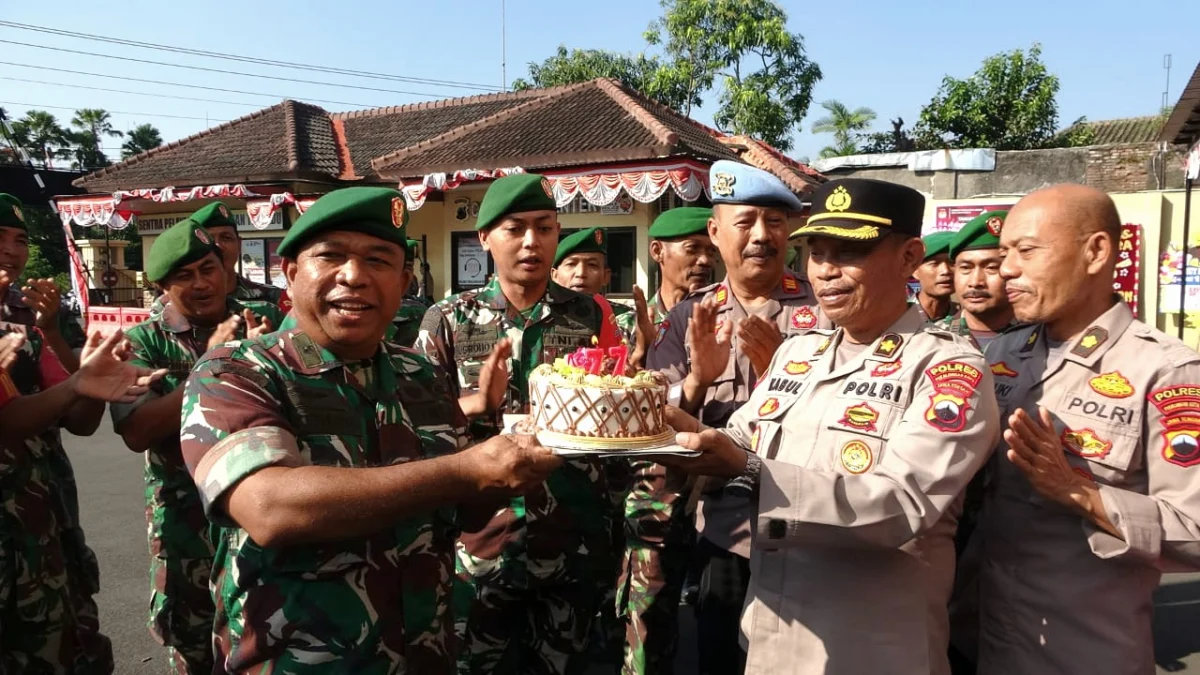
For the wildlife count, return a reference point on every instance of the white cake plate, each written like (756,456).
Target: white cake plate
(567,446)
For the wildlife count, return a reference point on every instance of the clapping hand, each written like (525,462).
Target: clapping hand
(1035,449)
(44,298)
(644,333)
(104,375)
(256,328)
(493,378)
(758,339)
(710,345)
(226,331)
(10,348)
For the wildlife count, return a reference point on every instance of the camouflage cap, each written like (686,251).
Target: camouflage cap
(377,211)
(681,222)
(982,231)
(514,194)
(937,243)
(182,244)
(11,214)
(213,215)
(591,240)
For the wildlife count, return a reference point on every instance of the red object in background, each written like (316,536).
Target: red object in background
(1125,278)
(610,335)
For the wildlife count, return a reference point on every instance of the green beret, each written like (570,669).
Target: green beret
(591,240)
(182,244)
(938,242)
(791,255)
(514,194)
(10,212)
(213,215)
(681,222)
(377,211)
(983,231)
(410,247)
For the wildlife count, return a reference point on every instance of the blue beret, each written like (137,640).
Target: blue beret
(736,183)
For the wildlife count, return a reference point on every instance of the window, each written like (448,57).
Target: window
(260,262)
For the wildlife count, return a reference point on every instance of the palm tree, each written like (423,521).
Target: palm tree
(843,123)
(42,136)
(92,123)
(140,139)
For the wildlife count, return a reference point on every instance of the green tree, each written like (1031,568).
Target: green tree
(91,126)
(1008,104)
(896,140)
(42,137)
(141,138)
(644,73)
(845,125)
(739,49)
(766,77)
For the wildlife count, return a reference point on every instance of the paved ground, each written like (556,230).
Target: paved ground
(110,485)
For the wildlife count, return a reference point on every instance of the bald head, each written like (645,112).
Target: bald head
(1060,252)
(1083,209)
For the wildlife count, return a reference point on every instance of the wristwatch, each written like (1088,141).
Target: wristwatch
(746,484)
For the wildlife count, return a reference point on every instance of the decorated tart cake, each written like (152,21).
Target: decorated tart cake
(587,401)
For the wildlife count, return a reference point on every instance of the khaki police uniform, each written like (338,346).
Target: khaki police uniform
(1056,594)
(864,461)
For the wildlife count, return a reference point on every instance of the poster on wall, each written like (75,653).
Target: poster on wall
(952,218)
(471,262)
(275,264)
(1125,279)
(1169,284)
(254,260)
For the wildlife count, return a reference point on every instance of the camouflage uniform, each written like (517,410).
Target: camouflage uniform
(532,569)
(407,324)
(49,622)
(181,550)
(658,539)
(372,605)
(256,296)
(14,311)
(957,323)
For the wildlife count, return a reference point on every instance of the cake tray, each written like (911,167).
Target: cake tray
(564,445)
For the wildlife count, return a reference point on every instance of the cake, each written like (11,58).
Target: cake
(587,401)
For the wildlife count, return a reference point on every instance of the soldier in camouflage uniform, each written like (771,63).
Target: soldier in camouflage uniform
(936,278)
(975,259)
(217,221)
(328,458)
(192,315)
(48,576)
(38,303)
(407,324)
(658,532)
(535,568)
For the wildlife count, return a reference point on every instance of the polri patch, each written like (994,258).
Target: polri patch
(954,382)
(1179,406)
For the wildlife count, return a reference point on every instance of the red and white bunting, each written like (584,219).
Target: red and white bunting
(261,211)
(168,194)
(643,183)
(415,193)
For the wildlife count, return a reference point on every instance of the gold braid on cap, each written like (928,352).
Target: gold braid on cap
(863,232)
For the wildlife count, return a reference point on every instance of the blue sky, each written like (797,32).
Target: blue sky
(889,56)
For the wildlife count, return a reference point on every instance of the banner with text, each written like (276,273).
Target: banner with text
(1125,279)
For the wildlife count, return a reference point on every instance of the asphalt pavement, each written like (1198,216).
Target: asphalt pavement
(111,497)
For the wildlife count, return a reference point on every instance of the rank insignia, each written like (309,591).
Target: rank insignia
(885,369)
(1091,340)
(803,318)
(823,347)
(954,382)
(722,295)
(790,285)
(1112,385)
(856,457)
(769,406)
(1001,369)
(1033,338)
(861,417)
(1085,443)
(888,344)
(797,368)
(1179,406)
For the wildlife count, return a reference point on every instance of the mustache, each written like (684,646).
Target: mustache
(977,294)
(760,251)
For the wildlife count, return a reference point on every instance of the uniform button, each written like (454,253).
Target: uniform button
(776,529)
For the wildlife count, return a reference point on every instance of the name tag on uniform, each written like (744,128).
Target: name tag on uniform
(567,339)
(880,391)
(474,349)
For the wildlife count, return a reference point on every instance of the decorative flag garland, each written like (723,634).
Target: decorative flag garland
(645,184)
(416,193)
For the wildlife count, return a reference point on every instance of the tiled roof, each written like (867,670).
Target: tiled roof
(1183,124)
(1128,130)
(594,122)
(801,178)
(591,122)
(288,139)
